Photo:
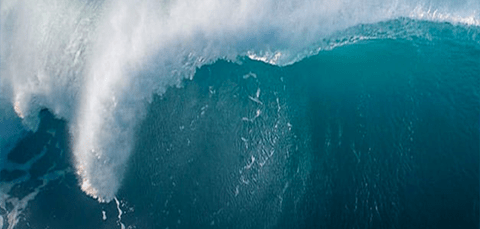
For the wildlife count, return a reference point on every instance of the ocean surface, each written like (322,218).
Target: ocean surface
(242,114)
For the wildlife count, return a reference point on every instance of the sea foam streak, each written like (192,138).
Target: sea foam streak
(97,64)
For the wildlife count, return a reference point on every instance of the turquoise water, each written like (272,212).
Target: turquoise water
(374,126)
(378,134)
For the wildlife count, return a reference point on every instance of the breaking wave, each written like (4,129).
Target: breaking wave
(98,64)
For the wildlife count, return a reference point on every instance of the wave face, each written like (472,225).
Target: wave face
(98,64)
(380,133)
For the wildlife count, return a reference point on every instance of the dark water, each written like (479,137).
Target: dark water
(376,134)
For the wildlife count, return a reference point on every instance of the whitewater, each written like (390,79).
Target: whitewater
(98,65)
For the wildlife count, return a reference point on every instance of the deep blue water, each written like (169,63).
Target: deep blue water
(377,133)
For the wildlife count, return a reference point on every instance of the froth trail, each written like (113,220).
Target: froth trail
(97,64)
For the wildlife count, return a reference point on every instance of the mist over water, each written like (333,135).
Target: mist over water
(99,64)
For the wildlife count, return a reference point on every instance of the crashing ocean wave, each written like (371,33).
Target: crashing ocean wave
(98,64)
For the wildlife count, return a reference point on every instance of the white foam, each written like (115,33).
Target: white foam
(98,64)
(439,15)
(20,204)
(120,212)
(104,215)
